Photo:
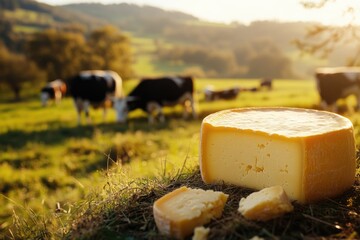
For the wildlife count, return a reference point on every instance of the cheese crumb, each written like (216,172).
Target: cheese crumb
(201,233)
(257,238)
(266,204)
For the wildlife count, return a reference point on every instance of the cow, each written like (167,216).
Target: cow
(337,83)
(226,94)
(55,90)
(95,88)
(266,83)
(152,94)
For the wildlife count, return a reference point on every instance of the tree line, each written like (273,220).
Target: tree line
(257,59)
(60,53)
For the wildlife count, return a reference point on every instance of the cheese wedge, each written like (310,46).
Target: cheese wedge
(180,211)
(269,203)
(310,153)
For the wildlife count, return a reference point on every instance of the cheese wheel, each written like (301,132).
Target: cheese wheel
(179,212)
(310,153)
(266,204)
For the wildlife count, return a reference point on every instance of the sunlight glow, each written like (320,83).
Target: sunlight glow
(245,12)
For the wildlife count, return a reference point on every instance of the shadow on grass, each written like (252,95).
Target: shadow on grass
(58,132)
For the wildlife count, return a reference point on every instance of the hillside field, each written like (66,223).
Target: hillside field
(49,164)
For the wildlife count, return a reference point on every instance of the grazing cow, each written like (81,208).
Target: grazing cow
(55,90)
(97,89)
(151,95)
(227,94)
(336,83)
(267,83)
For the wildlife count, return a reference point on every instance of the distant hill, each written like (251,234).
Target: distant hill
(27,15)
(18,18)
(154,29)
(181,27)
(133,18)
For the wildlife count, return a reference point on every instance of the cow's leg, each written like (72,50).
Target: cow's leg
(87,111)
(155,110)
(328,107)
(104,114)
(79,107)
(187,108)
(189,105)
(323,105)
(333,107)
(193,108)
(58,96)
(107,104)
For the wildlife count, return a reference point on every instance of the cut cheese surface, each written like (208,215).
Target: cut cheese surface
(180,211)
(310,153)
(266,204)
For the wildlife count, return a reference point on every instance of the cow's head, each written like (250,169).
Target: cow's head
(121,109)
(123,106)
(44,97)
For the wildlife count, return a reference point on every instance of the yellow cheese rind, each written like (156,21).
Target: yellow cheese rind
(310,153)
(177,213)
(269,203)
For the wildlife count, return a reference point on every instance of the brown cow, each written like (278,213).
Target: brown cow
(53,90)
(336,83)
(267,83)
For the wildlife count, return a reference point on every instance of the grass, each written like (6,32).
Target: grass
(127,214)
(28,16)
(25,29)
(52,170)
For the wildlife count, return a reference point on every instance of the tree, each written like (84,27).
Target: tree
(16,70)
(270,65)
(61,54)
(323,40)
(9,4)
(110,50)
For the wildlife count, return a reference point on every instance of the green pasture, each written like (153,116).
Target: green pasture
(145,58)
(28,17)
(48,163)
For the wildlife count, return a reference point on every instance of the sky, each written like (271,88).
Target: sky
(242,11)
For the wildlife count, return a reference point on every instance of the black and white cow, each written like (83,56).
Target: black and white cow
(151,95)
(336,83)
(54,90)
(97,89)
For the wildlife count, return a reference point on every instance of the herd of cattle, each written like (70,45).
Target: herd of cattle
(103,89)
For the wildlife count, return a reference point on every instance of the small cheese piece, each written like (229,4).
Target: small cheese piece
(310,153)
(201,233)
(257,238)
(269,203)
(180,211)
